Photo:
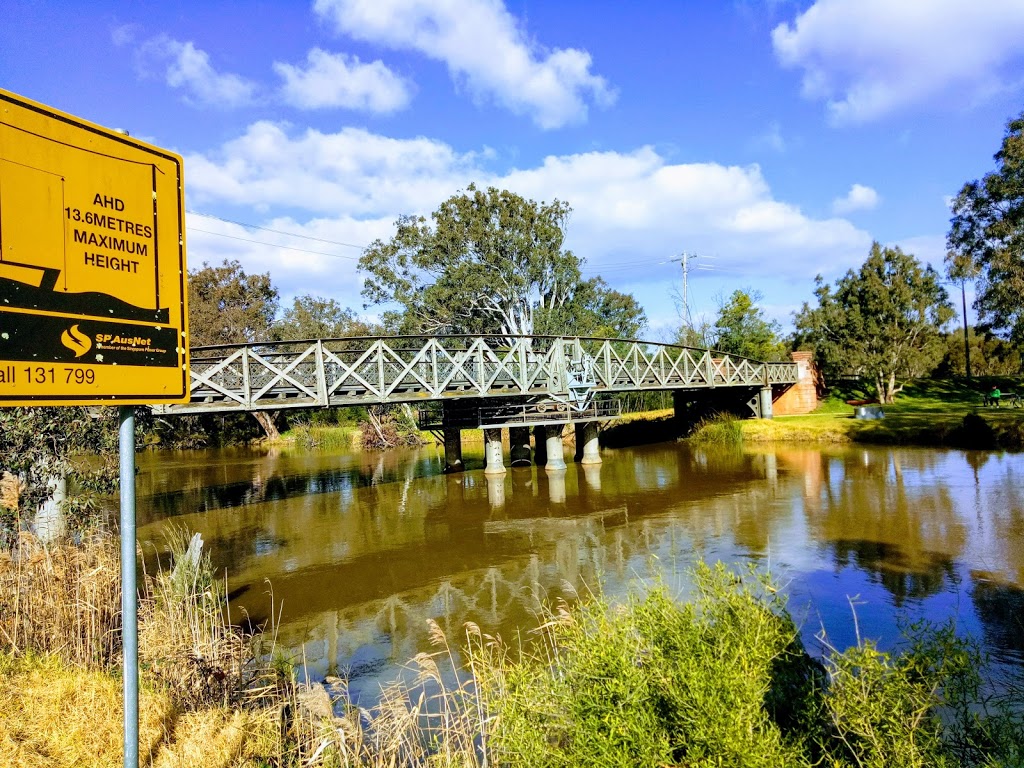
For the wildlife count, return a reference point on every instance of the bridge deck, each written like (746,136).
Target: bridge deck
(395,369)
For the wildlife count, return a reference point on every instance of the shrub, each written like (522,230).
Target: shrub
(722,429)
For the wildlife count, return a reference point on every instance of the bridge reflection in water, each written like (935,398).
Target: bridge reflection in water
(359,550)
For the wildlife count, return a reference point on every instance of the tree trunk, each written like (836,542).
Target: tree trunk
(266,420)
(887,388)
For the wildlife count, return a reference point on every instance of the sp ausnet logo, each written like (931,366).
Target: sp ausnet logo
(76,341)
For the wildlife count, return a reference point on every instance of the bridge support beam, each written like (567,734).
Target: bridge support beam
(556,450)
(587,447)
(492,452)
(453,449)
(765,401)
(519,443)
(681,408)
(540,446)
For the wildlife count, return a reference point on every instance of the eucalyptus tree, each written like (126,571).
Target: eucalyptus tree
(488,262)
(986,236)
(741,328)
(882,321)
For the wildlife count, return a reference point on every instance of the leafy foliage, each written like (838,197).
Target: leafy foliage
(490,262)
(742,329)
(724,680)
(40,444)
(594,309)
(228,306)
(653,683)
(990,355)
(986,236)
(313,317)
(882,321)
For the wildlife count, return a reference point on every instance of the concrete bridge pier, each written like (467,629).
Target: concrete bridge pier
(555,450)
(765,402)
(587,448)
(519,444)
(492,453)
(540,446)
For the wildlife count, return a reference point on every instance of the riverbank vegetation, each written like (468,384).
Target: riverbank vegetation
(720,678)
(928,412)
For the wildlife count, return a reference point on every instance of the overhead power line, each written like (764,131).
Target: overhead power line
(620,266)
(275,231)
(274,245)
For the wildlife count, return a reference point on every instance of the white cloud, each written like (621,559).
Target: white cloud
(189,69)
(352,171)
(485,48)
(631,210)
(338,80)
(859,198)
(869,58)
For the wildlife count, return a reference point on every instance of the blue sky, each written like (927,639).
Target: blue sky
(774,139)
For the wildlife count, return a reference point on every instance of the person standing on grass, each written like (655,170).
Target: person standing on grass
(994,396)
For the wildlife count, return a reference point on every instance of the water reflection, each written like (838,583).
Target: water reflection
(353,552)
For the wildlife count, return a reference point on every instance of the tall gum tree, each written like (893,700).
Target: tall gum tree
(489,262)
(883,321)
(986,236)
(228,306)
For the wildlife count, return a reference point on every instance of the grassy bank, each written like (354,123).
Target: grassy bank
(927,413)
(720,679)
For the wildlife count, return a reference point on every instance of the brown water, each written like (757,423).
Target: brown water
(353,552)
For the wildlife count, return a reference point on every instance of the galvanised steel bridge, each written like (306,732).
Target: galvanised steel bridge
(478,382)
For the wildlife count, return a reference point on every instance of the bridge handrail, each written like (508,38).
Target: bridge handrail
(495,336)
(348,370)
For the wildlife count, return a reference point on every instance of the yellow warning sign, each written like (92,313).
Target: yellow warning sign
(92,263)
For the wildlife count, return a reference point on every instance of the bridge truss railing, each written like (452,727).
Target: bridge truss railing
(392,369)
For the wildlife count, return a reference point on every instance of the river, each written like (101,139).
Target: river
(351,553)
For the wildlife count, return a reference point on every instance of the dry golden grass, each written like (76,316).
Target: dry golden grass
(54,715)
(210,695)
(63,600)
(185,640)
(824,428)
(220,738)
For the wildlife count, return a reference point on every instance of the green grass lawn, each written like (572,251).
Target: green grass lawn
(926,412)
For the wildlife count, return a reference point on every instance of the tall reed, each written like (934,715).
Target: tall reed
(62,600)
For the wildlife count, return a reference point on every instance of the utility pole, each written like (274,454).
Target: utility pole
(684,259)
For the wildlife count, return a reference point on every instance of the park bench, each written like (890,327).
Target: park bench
(1012,399)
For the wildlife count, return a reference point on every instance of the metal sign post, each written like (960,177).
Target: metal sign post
(129,588)
(92,294)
